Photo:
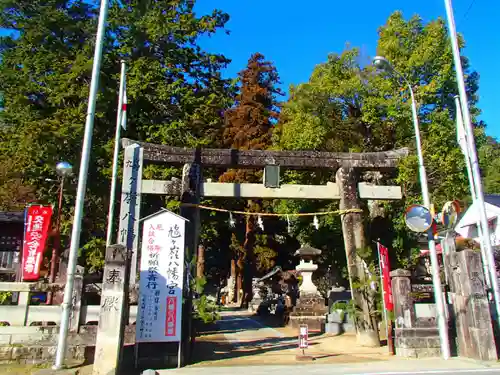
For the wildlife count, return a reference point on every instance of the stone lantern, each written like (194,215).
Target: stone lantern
(306,268)
(311,307)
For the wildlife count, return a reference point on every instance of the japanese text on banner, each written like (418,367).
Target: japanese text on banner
(36,232)
(386,278)
(161,279)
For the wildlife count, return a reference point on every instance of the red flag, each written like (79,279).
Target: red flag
(385,269)
(123,120)
(35,237)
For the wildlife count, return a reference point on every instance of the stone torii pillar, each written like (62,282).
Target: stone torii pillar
(354,238)
(346,189)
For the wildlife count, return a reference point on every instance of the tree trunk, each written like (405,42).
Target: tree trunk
(234,277)
(200,262)
(239,279)
(248,265)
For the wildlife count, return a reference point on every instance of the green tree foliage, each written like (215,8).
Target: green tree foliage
(489,155)
(175,91)
(348,106)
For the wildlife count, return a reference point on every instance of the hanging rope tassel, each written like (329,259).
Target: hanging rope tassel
(316,222)
(338,212)
(260,223)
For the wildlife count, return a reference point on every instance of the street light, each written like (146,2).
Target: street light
(63,169)
(383,64)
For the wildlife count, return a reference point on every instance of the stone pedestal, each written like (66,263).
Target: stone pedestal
(310,310)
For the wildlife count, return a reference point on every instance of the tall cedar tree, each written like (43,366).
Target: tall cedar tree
(248,126)
(175,91)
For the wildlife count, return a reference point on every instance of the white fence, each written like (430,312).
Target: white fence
(25,314)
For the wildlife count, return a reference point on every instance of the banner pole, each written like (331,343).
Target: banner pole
(179,352)
(386,321)
(116,154)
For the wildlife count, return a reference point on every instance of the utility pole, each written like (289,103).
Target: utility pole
(472,156)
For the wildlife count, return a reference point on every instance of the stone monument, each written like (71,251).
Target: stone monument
(114,307)
(311,307)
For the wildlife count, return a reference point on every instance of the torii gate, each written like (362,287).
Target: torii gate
(191,187)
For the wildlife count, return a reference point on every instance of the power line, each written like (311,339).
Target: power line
(467,12)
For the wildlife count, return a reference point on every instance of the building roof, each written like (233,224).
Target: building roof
(493,199)
(471,215)
(11,217)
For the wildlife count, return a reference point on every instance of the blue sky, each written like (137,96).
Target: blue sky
(296,35)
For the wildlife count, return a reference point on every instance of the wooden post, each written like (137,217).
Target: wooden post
(354,239)
(390,340)
(114,304)
(191,185)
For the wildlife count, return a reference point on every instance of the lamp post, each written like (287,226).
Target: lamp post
(63,169)
(383,64)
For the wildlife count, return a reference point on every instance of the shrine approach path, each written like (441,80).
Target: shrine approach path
(241,338)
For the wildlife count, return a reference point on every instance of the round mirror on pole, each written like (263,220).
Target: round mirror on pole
(418,218)
(449,214)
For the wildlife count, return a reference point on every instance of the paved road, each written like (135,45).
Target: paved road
(238,330)
(393,367)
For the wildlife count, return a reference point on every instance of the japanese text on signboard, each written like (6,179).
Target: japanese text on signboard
(161,279)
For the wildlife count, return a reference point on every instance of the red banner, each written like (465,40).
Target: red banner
(35,237)
(171,320)
(385,269)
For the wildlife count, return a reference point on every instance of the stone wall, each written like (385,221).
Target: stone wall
(34,345)
(471,309)
(414,337)
(416,333)
(417,342)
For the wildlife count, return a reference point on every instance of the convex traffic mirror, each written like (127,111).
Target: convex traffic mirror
(418,218)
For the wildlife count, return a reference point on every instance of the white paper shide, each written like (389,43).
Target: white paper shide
(161,279)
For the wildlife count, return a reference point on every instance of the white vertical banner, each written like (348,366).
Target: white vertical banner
(161,278)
